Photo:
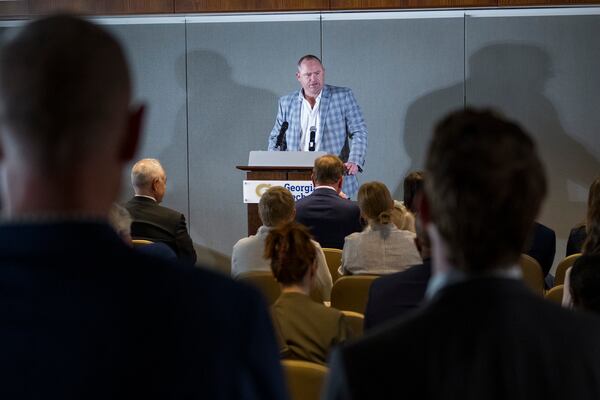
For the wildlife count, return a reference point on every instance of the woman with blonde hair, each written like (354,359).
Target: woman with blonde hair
(381,248)
(306,330)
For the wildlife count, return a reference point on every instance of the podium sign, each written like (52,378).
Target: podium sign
(253,190)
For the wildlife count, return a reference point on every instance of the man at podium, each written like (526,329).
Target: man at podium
(321,117)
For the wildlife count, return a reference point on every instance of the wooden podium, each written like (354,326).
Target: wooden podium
(274,173)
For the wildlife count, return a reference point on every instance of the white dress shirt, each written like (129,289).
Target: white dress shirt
(310,116)
(247,256)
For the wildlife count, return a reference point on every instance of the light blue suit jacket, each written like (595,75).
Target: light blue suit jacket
(343,129)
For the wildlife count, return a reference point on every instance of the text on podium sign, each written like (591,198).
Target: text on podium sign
(253,190)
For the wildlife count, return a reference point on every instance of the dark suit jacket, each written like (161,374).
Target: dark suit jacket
(488,338)
(151,221)
(396,294)
(83,316)
(577,237)
(329,217)
(543,246)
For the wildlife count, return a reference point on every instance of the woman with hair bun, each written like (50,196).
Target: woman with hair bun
(306,329)
(381,248)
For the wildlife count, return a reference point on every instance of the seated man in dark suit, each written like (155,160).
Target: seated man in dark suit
(151,221)
(543,246)
(329,217)
(394,295)
(83,315)
(483,334)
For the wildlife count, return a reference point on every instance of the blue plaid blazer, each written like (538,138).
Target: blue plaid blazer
(343,129)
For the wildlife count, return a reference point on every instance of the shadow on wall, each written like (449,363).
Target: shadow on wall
(511,78)
(225,121)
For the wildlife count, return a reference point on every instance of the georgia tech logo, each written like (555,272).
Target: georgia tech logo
(260,189)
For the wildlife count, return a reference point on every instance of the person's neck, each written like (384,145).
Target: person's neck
(302,288)
(312,100)
(327,185)
(31,193)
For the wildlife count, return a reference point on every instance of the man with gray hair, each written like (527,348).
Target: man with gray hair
(83,315)
(154,222)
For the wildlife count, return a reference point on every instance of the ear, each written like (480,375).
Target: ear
(312,178)
(133,134)
(298,75)
(340,183)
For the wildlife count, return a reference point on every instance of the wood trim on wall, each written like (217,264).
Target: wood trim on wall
(10,9)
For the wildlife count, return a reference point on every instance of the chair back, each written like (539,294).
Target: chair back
(140,242)
(555,294)
(356,322)
(350,293)
(334,261)
(265,282)
(562,267)
(532,273)
(305,379)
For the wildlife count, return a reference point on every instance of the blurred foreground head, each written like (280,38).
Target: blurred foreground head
(485,184)
(66,128)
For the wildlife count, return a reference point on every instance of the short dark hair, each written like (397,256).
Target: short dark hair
(328,169)
(291,252)
(485,184)
(413,185)
(585,282)
(308,57)
(62,79)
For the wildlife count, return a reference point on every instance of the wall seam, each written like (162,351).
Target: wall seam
(187,127)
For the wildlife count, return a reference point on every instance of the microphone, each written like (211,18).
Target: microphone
(281,143)
(311,143)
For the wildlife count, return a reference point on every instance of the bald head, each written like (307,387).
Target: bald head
(64,91)
(149,178)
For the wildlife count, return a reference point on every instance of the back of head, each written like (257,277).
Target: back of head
(592,241)
(291,252)
(485,184)
(328,170)
(64,91)
(144,172)
(276,206)
(413,185)
(585,283)
(375,202)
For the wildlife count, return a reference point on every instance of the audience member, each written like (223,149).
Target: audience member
(394,295)
(120,219)
(381,248)
(584,283)
(306,329)
(275,208)
(154,222)
(84,315)
(578,234)
(402,218)
(329,217)
(413,185)
(483,334)
(542,246)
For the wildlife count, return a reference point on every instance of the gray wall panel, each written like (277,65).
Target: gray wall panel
(156,53)
(543,72)
(236,72)
(393,66)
